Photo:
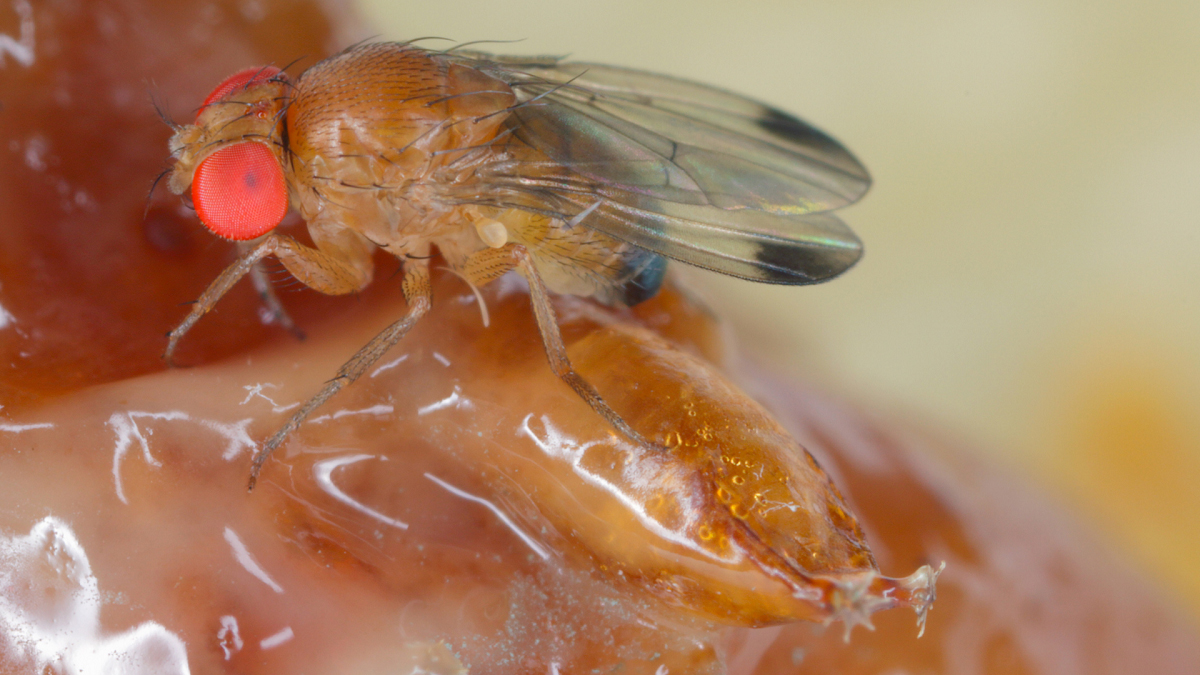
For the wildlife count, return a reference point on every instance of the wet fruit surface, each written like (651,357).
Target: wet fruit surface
(458,507)
(90,285)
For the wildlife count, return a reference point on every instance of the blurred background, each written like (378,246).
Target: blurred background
(1032,275)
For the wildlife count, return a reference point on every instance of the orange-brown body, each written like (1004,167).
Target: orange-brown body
(380,147)
(369,134)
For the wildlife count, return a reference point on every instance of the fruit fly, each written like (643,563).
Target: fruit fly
(583,178)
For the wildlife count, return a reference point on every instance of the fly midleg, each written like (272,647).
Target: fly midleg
(488,264)
(335,271)
(419,294)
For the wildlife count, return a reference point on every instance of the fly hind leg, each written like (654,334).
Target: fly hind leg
(490,264)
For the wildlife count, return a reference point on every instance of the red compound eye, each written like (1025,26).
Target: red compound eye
(238,80)
(239,191)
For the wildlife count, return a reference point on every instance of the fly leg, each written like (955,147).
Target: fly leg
(419,294)
(336,267)
(275,309)
(489,264)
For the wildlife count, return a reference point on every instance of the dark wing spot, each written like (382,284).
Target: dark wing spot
(795,130)
(796,264)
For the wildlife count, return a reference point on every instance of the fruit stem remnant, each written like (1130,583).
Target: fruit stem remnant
(853,599)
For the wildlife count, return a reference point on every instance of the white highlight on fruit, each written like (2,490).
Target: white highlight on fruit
(50,613)
(242,555)
(20,48)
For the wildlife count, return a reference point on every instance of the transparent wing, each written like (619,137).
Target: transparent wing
(687,171)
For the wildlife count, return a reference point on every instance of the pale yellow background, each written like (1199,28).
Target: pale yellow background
(1032,276)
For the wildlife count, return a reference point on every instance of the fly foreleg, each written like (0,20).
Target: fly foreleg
(419,294)
(489,264)
(335,271)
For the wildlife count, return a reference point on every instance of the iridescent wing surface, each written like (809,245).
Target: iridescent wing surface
(686,171)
